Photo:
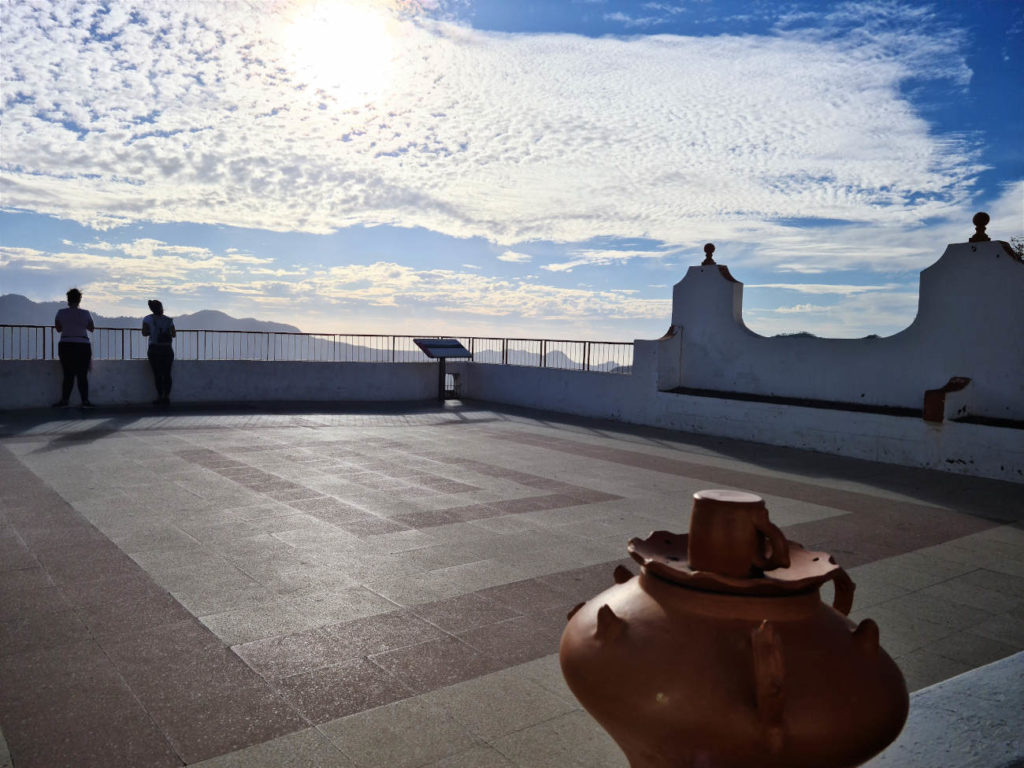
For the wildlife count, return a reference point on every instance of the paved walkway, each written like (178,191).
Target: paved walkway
(387,586)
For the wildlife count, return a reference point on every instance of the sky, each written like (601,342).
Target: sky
(537,168)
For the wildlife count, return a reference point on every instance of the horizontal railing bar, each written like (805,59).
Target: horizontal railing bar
(39,342)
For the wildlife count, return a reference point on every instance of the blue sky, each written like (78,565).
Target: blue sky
(503,167)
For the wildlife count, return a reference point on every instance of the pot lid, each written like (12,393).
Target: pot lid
(665,554)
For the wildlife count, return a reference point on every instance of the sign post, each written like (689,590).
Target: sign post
(442,350)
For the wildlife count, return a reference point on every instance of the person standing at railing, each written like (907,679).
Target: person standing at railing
(160,330)
(74,325)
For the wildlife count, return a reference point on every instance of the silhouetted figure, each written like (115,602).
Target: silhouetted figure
(74,350)
(160,330)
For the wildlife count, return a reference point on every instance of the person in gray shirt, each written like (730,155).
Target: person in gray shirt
(75,349)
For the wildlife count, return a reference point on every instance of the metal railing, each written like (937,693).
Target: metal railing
(39,342)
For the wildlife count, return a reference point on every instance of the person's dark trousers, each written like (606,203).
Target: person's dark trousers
(160,360)
(75,359)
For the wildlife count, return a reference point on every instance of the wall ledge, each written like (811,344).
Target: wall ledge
(803,402)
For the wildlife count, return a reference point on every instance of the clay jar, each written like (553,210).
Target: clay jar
(690,668)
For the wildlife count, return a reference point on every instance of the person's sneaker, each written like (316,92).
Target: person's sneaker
(158,401)
(87,404)
(60,404)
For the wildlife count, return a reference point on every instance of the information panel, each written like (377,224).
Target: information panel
(442,348)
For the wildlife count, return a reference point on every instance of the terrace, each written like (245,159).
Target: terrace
(385,585)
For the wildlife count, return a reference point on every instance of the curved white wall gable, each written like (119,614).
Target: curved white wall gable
(969,321)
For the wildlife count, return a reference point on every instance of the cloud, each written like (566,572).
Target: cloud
(826,288)
(601,257)
(854,316)
(198,112)
(800,309)
(120,280)
(515,257)
(633,21)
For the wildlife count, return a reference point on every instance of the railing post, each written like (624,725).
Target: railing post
(586,355)
(543,353)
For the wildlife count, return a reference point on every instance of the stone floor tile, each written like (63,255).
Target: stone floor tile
(573,739)
(936,610)
(28,579)
(901,633)
(520,639)
(473,576)
(98,736)
(1004,627)
(546,672)
(924,667)
(219,592)
(328,693)
(529,596)
(972,649)
(401,735)
(372,525)
(959,591)
(436,663)
(158,536)
(581,584)
(500,703)
(458,614)
(336,605)
(32,602)
(41,630)
(409,590)
(275,658)
(131,614)
(225,722)
(1010,585)
(479,757)
(304,749)
(255,622)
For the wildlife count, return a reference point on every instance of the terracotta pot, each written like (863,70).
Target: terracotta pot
(691,668)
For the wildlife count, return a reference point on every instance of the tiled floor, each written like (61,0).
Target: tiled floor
(387,587)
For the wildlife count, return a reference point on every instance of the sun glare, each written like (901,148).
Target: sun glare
(344,47)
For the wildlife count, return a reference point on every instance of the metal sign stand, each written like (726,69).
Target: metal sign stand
(441,350)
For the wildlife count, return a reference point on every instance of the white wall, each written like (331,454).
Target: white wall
(985,451)
(35,383)
(970,323)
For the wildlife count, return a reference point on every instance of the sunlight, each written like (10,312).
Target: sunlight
(344,47)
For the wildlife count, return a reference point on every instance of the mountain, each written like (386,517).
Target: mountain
(18,310)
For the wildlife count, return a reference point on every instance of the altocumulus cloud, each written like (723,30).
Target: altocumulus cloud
(192,270)
(199,112)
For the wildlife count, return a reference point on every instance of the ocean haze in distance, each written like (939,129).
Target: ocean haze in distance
(500,168)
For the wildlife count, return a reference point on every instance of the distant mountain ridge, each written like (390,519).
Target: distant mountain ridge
(19,310)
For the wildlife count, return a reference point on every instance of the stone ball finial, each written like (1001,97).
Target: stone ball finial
(709,249)
(980,221)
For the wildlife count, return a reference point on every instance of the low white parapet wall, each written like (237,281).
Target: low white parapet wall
(974,449)
(37,383)
(949,446)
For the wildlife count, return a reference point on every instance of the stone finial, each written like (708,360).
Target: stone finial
(708,250)
(980,221)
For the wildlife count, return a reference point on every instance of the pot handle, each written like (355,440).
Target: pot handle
(843,601)
(780,547)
